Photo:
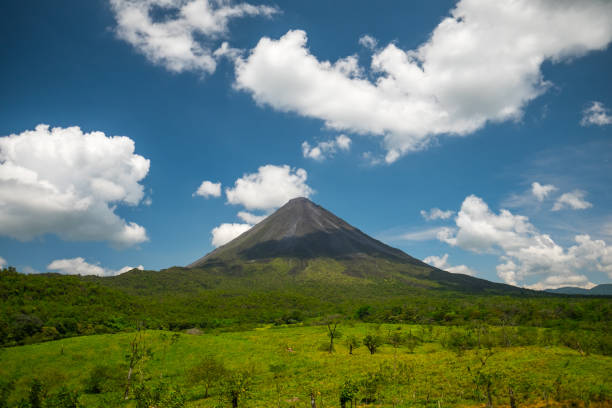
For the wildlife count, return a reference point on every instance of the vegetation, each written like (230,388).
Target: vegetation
(283,366)
(36,308)
(268,334)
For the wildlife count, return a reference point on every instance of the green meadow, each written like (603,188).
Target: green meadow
(291,366)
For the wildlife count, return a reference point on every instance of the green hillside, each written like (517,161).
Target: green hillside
(44,307)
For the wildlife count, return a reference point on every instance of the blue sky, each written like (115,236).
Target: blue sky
(378,113)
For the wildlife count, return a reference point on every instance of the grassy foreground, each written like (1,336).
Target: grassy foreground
(284,366)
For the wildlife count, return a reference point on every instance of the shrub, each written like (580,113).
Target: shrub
(103,379)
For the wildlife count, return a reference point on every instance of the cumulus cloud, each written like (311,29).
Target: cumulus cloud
(481,64)
(442,263)
(224,233)
(542,191)
(66,182)
(326,149)
(28,270)
(574,200)
(524,251)
(180,39)
(269,188)
(78,266)
(266,190)
(129,268)
(208,189)
(596,114)
(2,262)
(250,218)
(436,214)
(368,41)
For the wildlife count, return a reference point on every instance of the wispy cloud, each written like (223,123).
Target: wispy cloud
(596,115)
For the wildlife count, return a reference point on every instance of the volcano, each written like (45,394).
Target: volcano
(310,238)
(304,230)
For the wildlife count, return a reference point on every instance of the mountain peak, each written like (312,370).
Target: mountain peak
(302,229)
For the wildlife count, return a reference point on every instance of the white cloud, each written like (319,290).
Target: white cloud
(343,142)
(481,64)
(65,182)
(28,270)
(368,41)
(596,114)
(228,52)
(208,189)
(574,200)
(2,262)
(542,191)
(251,218)
(78,266)
(224,233)
(180,39)
(323,150)
(269,188)
(525,252)
(442,263)
(436,214)
(129,268)
(422,235)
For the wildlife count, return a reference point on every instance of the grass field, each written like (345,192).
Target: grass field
(285,365)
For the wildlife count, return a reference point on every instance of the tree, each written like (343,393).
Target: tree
(236,385)
(278,371)
(6,387)
(348,391)
(396,339)
(372,342)
(352,342)
(63,399)
(411,341)
(137,353)
(37,394)
(158,395)
(363,312)
(207,372)
(332,333)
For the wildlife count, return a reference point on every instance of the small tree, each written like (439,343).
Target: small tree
(207,372)
(332,333)
(348,391)
(236,385)
(411,342)
(352,342)
(372,342)
(278,371)
(63,399)
(37,394)
(6,387)
(396,339)
(370,384)
(158,395)
(363,312)
(136,355)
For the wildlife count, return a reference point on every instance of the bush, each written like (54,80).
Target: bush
(6,387)
(159,395)
(63,399)
(103,379)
